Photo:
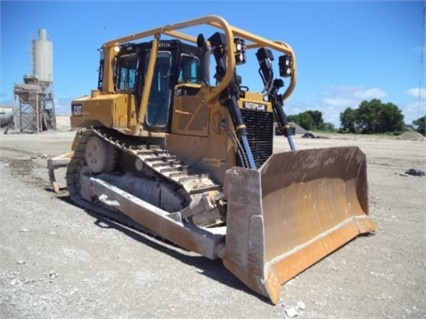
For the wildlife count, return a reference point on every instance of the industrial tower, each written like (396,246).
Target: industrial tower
(36,112)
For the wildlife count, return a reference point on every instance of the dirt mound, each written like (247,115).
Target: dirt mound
(411,136)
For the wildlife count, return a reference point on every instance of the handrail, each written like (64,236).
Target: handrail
(256,41)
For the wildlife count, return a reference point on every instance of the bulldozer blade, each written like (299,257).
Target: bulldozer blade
(295,210)
(54,164)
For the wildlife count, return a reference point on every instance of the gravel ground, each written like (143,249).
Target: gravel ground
(59,261)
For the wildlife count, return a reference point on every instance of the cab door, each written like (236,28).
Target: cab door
(159,102)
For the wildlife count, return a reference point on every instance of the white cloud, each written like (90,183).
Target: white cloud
(416,92)
(354,93)
(340,97)
(337,101)
(412,111)
(368,94)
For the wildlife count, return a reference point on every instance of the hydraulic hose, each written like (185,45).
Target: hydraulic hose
(231,94)
(282,119)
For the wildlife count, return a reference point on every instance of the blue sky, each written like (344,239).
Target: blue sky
(347,51)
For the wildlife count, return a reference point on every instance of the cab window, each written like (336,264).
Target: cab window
(126,72)
(190,69)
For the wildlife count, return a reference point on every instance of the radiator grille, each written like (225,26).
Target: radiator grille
(260,134)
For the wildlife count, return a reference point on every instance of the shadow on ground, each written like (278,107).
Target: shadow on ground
(213,269)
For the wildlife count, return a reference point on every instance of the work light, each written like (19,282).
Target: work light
(285,63)
(240,51)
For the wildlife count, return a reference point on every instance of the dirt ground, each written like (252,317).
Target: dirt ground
(60,261)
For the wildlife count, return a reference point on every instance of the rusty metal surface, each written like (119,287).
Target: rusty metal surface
(244,249)
(308,192)
(309,203)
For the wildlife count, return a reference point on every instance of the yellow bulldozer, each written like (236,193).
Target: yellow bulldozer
(173,140)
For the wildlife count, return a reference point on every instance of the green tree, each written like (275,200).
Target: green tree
(367,116)
(302,119)
(419,125)
(309,120)
(329,127)
(348,120)
(373,117)
(318,122)
(390,119)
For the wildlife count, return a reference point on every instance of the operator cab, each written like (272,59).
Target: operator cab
(176,63)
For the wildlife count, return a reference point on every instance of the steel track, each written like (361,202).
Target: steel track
(153,160)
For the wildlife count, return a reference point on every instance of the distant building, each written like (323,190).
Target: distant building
(36,111)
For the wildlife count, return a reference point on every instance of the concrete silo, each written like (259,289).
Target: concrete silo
(36,110)
(43,58)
